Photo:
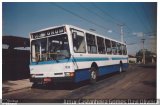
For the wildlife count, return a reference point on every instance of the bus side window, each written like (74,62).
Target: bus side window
(91,43)
(108,46)
(124,50)
(100,43)
(114,48)
(119,48)
(78,43)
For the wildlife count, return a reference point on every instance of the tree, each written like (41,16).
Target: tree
(148,56)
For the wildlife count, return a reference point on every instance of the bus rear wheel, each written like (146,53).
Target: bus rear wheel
(93,75)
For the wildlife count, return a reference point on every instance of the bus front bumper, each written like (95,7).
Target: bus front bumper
(52,79)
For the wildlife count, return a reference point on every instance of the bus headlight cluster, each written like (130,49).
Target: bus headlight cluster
(32,75)
(69,74)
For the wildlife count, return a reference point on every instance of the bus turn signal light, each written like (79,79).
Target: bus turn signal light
(72,74)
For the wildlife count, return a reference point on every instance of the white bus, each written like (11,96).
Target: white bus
(70,54)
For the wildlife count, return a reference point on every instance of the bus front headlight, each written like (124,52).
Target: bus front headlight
(32,75)
(69,74)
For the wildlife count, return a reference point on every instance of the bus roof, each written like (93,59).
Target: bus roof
(49,28)
(85,30)
(96,34)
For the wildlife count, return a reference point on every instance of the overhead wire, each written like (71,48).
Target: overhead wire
(146,16)
(89,21)
(104,12)
(113,19)
(139,18)
(81,17)
(96,14)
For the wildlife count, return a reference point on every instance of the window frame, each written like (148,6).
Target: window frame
(107,47)
(124,50)
(95,43)
(99,44)
(72,29)
(114,43)
(119,48)
(40,52)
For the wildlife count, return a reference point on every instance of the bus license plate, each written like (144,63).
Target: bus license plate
(47,79)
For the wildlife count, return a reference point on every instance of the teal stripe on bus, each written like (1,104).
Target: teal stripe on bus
(116,58)
(76,59)
(84,59)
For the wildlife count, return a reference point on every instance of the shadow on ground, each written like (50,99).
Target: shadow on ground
(148,66)
(60,86)
(150,83)
(70,86)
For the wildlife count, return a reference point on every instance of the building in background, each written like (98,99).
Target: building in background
(132,59)
(15,58)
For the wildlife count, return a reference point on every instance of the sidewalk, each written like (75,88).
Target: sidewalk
(9,86)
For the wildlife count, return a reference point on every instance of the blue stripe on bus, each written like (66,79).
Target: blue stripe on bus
(77,59)
(108,69)
(84,74)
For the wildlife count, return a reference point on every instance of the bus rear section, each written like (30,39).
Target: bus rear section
(50,56)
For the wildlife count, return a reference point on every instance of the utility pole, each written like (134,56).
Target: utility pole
(143,39)
(121,33)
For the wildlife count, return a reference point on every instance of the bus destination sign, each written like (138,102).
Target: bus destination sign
(54,31)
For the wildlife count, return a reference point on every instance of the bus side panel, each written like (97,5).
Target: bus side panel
(82,74)
(125,65)
(108,69)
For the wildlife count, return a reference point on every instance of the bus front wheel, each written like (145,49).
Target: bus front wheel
(35,85)
(93,75)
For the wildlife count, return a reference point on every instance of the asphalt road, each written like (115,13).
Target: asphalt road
(138,82)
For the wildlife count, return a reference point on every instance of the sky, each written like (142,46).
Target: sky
(139,19)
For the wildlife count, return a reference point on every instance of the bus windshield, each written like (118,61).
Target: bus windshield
(50,48)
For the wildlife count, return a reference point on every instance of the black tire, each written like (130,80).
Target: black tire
(93,75)
(35,85)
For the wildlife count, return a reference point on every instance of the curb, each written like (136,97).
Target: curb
(12,90)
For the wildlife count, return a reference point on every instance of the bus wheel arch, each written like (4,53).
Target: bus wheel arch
(94,64)
(93,73)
